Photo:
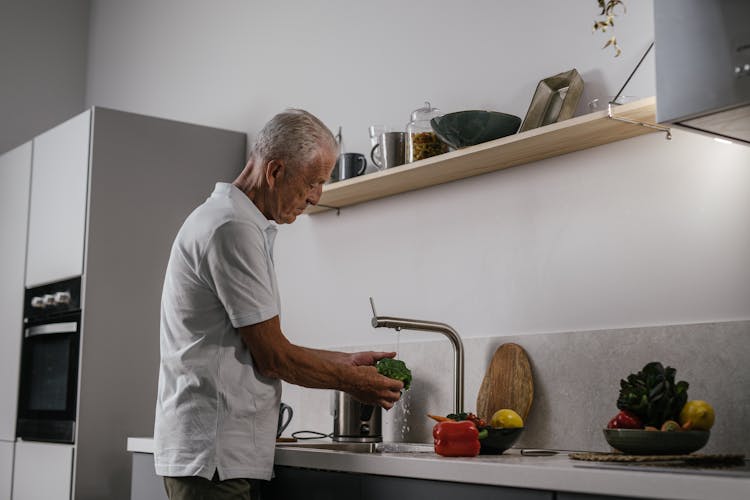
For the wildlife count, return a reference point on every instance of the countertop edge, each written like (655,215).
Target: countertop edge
(140,445)
(555,473)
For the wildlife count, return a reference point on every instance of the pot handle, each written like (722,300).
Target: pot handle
(372,157)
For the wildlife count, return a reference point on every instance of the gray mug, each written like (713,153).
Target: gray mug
(283,409)
(349,165)
(392,149)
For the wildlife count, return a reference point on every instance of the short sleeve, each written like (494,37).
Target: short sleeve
(239,269)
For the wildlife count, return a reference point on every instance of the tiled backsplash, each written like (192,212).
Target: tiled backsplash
(576,382)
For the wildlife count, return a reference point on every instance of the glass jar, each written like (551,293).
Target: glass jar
(421,140)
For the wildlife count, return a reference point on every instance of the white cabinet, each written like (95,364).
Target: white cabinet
(15,175)
(43,471)
(57,220)
(6,468)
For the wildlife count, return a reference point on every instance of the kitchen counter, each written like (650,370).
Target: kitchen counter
(554,473)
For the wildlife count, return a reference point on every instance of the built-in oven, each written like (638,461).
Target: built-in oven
(48,384)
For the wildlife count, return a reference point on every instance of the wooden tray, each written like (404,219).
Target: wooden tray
(691,458)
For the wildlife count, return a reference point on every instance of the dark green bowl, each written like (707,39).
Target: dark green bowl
(642,442)
(468,128)
(499,440)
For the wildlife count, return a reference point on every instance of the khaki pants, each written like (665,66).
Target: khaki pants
(199,488)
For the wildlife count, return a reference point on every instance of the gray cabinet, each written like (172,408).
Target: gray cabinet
(144,483)
(292,483)
(582,496)
(146,175)
(380,487)
(57,219)
(109,191)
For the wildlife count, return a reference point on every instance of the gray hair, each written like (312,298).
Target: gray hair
(293,136)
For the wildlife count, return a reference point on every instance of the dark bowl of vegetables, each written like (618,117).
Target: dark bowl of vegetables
(498,439)
(655,442)
(655,415)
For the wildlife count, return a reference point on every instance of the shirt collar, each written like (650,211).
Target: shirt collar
(268,226)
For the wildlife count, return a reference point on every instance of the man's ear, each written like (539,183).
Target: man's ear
(274,171)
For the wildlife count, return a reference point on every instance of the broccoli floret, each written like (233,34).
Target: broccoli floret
(395,368)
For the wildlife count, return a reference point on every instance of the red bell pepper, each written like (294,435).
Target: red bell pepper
(625,420)
(456,439)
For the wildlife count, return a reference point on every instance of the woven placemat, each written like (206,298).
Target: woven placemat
(691,458)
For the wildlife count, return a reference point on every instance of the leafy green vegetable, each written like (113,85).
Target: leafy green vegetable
(395,368)
(653,395)
(458,416)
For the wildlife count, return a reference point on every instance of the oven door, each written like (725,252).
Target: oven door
(49,380)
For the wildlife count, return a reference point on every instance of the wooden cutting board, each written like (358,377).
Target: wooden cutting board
(508,383)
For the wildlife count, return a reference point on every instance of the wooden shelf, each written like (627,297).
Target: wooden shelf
(575,134)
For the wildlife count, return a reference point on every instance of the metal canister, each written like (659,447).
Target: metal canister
(354,421)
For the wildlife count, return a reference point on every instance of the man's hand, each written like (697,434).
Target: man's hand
(367,358)
(370,387)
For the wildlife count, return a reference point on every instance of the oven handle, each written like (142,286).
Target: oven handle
(50,328)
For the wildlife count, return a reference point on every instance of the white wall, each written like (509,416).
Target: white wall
(641,232)
(43,54)
(235,63)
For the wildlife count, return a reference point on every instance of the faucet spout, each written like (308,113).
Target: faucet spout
(431,326)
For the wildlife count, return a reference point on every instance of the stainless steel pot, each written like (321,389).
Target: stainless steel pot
(354,421)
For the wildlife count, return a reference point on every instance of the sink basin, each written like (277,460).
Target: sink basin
(405,448)
(334,446)
(363,447)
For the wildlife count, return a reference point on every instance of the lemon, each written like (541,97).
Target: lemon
(506,418)
(699,413)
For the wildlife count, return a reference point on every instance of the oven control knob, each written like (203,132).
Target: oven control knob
(37,302)
(49,300)
(62,298)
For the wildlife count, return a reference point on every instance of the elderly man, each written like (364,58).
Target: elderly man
(223,354)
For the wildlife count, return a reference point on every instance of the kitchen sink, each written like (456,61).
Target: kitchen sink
(362,447)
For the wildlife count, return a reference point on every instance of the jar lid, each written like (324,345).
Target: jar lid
(425,113)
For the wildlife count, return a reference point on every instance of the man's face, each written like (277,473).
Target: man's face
(295,189)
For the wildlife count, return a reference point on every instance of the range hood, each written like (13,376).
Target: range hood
(703,66)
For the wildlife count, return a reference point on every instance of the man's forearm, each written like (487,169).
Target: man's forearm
(332,356)
(314,368)
(274,356)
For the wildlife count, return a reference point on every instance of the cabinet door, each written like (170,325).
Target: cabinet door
(6,468)
(57,219)
(291,483)
(378,487)
(15,176)
(42,471)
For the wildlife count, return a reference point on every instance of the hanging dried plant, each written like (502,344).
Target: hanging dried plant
(608,21)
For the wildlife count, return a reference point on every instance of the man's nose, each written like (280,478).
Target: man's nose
(315,195)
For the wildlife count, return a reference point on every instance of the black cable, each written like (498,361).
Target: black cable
(315,435)
(614,101)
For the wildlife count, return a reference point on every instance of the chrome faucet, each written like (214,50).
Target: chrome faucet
(431,326)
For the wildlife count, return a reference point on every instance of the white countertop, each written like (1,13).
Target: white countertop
(511,469)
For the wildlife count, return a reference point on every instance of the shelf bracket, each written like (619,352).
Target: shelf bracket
(611,115)
(654,126)
(337,209)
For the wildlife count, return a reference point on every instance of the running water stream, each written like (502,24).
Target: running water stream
(404,412)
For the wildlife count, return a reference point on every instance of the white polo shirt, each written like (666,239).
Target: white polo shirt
(214,411)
